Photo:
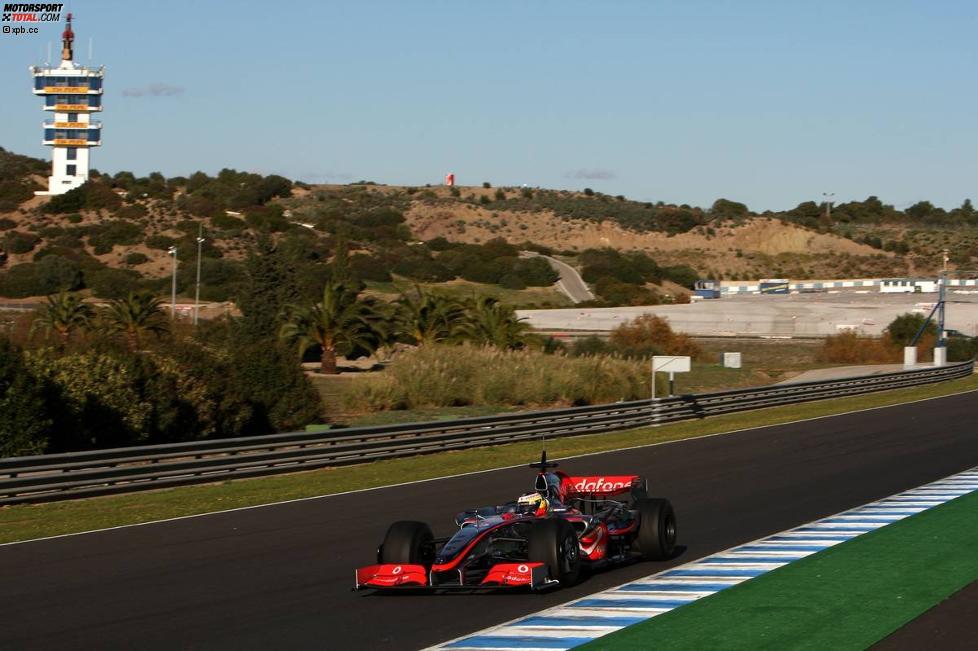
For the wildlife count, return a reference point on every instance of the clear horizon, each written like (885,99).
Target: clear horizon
(683,102)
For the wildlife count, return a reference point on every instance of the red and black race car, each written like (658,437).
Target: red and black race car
(543,540)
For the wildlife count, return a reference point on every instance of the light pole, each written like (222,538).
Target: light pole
(200,242)
(173,289)
(828,205)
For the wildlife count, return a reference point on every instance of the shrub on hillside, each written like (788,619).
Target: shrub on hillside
(49,275)
(113,283)
(18,242)
(160,242)
(268,219)
(115,232)
(535,272)
(136,258)
(7,224)
(511,281)
(14,192)
(368,267)
(92,195)
(225,222)
(613,292)
(682,275)
(633,267)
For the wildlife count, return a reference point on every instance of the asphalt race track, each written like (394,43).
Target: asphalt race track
(280,577)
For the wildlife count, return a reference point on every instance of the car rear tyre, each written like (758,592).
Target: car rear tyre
(408,542)
(553,542)
(657,529)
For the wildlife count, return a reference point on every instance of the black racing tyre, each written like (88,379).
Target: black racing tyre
(408,542)
(656,529)
(553,542)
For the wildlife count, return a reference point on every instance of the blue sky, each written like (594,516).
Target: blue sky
(769,103)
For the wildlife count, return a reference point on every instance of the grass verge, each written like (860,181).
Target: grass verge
(845,597)
(24,522)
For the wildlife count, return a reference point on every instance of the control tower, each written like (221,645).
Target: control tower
(72,93)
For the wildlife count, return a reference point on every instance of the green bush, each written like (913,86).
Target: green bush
(267,376)
(92,195)
(6,224)
(960,349)
(113,283)
(15,192)
(227,222)
(25,405)
(49,275)
(68,241)
(74,218)
(535,272)
(368,267)
(116,232)
(160,242)
(136,258)
(71,201)
(512,281)
(903,328)
(132,211)
(478,270)
(267,219)
(618,293)
(18,242)
(633,267)
(681,275)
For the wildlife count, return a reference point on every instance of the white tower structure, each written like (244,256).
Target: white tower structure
(72,93)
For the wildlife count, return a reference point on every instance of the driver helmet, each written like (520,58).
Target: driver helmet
(533,504)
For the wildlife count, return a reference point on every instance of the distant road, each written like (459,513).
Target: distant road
(570,281)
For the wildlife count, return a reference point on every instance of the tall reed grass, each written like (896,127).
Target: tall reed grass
(446,376)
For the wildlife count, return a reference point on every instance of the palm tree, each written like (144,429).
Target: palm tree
(338,323)
(429,318)
(136,315)
(492,323)
(63,314)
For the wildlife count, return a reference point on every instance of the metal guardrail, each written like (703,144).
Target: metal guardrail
(52,477)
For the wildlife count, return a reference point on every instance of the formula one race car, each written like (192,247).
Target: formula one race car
(542,540)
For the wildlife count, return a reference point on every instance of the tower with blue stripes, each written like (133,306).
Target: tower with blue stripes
(72,94)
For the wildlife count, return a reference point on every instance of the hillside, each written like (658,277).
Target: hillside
(113,236)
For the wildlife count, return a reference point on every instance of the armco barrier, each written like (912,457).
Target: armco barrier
(100,472)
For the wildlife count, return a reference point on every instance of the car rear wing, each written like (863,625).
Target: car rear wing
(600,486)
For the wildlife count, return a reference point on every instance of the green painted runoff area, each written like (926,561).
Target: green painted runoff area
(846,597)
